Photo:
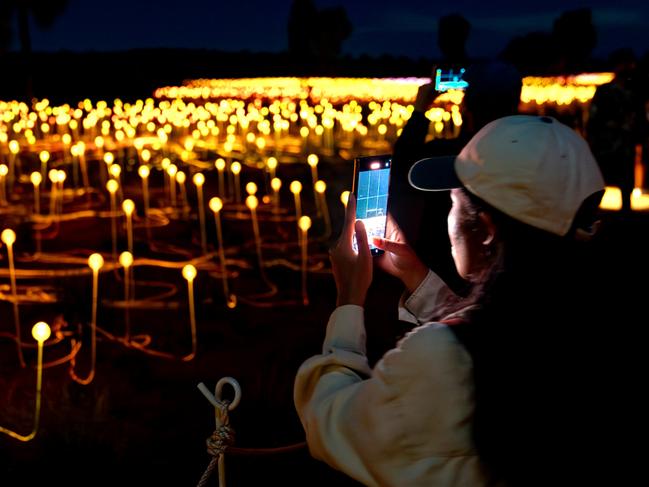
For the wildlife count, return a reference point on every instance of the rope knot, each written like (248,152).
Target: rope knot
(222,438)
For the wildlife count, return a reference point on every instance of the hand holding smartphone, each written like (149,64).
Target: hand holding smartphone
(371,188)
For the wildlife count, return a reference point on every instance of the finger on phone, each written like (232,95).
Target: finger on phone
(350,218)
(392,246)
(361,237)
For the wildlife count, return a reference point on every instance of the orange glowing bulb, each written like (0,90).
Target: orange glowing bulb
(41,331)
(216,204)
(295,187)
(189,272)
(252,202)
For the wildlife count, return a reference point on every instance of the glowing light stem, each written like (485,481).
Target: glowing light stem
(304,242)
(14,302)
(93,334)
(129,232)
(298,213)
(255,229)
(3,190)
(53,197)
(325,213)
(145,192)
(201,218)
(275,200)
(37,199)
(37,411)
(237,188)
(298,205)
(113,223)
(183,197)
(127,302)
(224,273)
(221,183)
(84,172)
(172,190)
(192,319)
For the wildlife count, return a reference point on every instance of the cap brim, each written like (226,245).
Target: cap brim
(434,174)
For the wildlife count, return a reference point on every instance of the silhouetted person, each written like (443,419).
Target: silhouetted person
(452,34)
(493,92)
(316,35)
(617,123)
(575,37)
(301,21)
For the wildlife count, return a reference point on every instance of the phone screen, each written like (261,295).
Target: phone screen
(371,186)
(450,79)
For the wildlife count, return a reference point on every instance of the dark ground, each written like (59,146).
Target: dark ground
(143,421)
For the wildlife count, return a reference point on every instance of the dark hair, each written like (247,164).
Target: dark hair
(522,332)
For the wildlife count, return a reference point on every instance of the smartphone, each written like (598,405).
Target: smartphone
(449,79)
(370,187)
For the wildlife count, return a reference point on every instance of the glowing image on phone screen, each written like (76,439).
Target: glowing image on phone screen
(372,200)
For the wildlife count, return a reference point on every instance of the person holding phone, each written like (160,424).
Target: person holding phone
(493,91)
(487,388)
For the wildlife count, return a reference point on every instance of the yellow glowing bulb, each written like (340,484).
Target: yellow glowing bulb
(66,139)
(252,202)
(271,163)
(198,179)
(8,236)
(14,147)
(109,158)
(41,331)
(220,164)
(61,175)
(251,188)
(312,160)
(295,187)
(99,141)
(126,259)
(304,223)
(36,178)
(382,129)
(189,272)
(235,167)
(53,175)
(95,262)
(44,156)
(128,206)
(143,171)
(115,170)
(146,155)
(276,183)
(216,204)
(304,131)
(320,186)
(165,163)
(181,177)
(112,186)
(4,170)
(344,197)
(172,170)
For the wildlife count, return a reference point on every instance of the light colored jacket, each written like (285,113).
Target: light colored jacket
(408,421)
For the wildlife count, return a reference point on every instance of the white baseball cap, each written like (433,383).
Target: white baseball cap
(532,168)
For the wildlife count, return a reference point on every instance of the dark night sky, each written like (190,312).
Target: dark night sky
(380,26)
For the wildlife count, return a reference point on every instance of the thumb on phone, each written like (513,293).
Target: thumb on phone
(398,248)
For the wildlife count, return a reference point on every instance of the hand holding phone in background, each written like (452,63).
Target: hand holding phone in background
(426,95)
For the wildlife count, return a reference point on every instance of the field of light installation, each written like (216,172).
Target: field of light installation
(180,239)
